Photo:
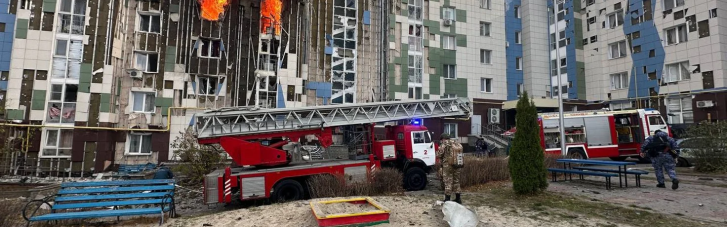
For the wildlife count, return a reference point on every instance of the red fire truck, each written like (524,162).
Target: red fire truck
(274,151)
(597,134)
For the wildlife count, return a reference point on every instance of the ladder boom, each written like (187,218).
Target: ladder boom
(246,121)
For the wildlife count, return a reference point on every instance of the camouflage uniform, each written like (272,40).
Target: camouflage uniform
(664,160)
(450,174)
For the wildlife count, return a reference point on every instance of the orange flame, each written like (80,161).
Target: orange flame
(213,9)
(270,15)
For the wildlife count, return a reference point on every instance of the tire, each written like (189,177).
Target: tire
(287,190)
(577,153)
(683,162)
(415,179)
(618,158)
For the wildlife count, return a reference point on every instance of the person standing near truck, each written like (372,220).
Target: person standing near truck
(451,156)
(663,151)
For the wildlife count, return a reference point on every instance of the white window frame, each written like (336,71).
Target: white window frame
(516,10)
(153,16)
(415,92)
(66,63)
(675,4)
(451,129)
(449,13)
(486,85)
(64,108)
(618,18)
(520,89)
(485,4)
(447,70)
(485,28)
(145,96)
(680,35)
(620,50)
(518,37)
(141,137)
(209,48)
(518,63)
(619,81)
(146,67)
(76,18)
(486,57)
(447,96)
(57,146)
(417,7)
(675,72)
(415,69)
(449,42)
(684,106)
(206,80)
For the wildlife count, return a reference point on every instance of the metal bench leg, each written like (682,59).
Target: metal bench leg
(552,176)
(608,183)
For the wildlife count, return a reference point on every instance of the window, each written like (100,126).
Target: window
(615,19)
(448,13)
(485,56)
(415,92)
(520,89)
(210,48)
(619,81)
(670,4)
(143,102)
(656,120)
(146,61)
(679,110)
(415,10)
(519,63)
(517,11)
(486,85)
(415,38)
(72,17)
(676,34)
(450,71)
(449,42)
(590,2)
(67,59)
(713,13)
(150,22)
(62,103)
(485,4)
(617,50)
(58,143)
(139,143)
(676,72)
(421,137)
(451,129)
(484,29)
(518,37)
(208,85)
(415,68)
(447,96)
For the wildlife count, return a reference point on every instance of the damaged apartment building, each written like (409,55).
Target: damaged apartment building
(90,84)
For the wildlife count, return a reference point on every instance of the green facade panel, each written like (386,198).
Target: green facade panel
(461,40)
(15,114)
(38,100)
(21,29)
(49,6)
(86,73)
(171,54)
(461,15)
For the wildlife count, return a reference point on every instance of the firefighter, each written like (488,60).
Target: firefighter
(663,151)
(450,154)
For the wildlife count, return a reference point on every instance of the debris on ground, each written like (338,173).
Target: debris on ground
(457,215)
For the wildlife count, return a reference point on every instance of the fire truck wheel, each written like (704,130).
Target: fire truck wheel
(576,154)
(287,190)
(415,179)
(618,158)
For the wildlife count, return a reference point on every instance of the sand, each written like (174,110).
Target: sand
(345,208)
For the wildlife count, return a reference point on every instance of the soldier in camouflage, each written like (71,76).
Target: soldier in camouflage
(450,171)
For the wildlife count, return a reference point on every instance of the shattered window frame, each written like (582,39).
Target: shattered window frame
(208,51)
(57,143)
(147,66)
(205,87)
(72,17)
(154,18)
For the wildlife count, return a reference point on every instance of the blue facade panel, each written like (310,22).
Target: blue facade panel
(6,37)
(639,83)
(514,50)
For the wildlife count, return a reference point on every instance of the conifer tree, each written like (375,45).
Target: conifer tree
(526,162)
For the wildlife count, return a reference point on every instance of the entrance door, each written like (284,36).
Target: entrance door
(476,125)
(656,123)
(423,147)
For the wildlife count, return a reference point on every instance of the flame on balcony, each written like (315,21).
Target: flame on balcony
(270,16)
(213,10)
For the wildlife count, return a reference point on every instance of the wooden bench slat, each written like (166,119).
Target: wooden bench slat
(97,214)
(115,189)
(116,183)
(108,204)
(582,172)
(111,196)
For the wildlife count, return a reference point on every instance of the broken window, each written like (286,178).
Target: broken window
(150,22)
(713,13)
(707,80)
(67,58)
(415,68)
(703,28)
(676,72)
(146,61)
(291,93)
(619,81)
(210,48)
(617,50)
(670,4)
(415,10)
(615,19)
(72,17)
(207,85)
(58,143)
(415,37)
(676,34)
(637,49)
(62,103)
(143,102)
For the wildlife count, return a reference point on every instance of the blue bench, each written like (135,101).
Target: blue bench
(637,173)
(79,200)
(570,173)
(126,170)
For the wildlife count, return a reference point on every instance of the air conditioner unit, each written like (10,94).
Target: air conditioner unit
(448,22)
(494,115)
(705,104)
(134,73)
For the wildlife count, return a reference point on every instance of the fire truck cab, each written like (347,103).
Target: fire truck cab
(597,134)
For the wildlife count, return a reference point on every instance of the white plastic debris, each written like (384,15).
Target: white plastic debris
(457,215)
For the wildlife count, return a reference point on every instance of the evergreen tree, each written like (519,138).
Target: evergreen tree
(526,162)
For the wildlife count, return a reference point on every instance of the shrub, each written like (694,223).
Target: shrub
(10,213)
(526,161)
(383,182)
(706,146)
(480,170)
(197,160)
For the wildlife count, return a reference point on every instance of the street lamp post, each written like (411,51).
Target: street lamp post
(561,127)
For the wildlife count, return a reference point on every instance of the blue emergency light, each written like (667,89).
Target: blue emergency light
(416,122)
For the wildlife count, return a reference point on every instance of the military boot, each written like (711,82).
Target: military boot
(675,184)
(457,199)
(446,198)
(660,185)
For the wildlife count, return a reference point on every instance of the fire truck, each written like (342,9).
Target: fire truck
(275,151)
(601,133)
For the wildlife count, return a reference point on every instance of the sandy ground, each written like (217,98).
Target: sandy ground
(414,210)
